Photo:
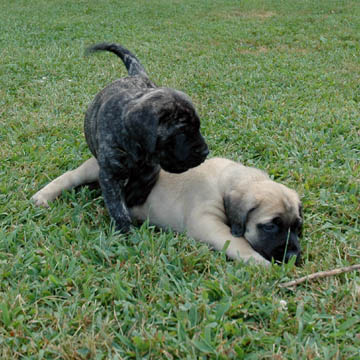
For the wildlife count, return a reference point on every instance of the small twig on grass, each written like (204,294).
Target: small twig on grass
(320,274)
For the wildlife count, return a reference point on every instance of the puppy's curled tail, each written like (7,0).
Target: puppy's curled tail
(131,62)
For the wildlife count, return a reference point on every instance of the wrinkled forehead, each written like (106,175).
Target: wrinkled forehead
(277,200)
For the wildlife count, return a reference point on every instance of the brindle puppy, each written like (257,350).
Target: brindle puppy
(133,128)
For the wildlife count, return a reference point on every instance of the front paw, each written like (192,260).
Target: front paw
(257,259)
(123,228)
(123,221)
(40,199)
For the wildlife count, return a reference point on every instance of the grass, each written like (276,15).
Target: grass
(276,84)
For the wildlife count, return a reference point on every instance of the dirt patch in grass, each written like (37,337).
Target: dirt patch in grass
(351,67)
(264,49)
(260,15)
(257,50)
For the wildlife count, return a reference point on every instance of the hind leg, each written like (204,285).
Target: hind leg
(88,172)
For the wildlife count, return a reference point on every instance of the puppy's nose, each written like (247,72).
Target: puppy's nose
(204,151)
(290,254)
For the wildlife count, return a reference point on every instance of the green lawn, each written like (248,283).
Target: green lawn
(277,85)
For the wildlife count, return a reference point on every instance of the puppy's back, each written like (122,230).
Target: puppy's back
(175,196)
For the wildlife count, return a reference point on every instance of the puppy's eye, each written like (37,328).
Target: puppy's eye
(270,228)
(277,220)
(297,226)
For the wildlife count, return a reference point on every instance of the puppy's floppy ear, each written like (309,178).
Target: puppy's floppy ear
(238,206)
(142,128)
(301,217)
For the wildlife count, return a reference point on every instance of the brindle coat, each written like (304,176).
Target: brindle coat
(134,128)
